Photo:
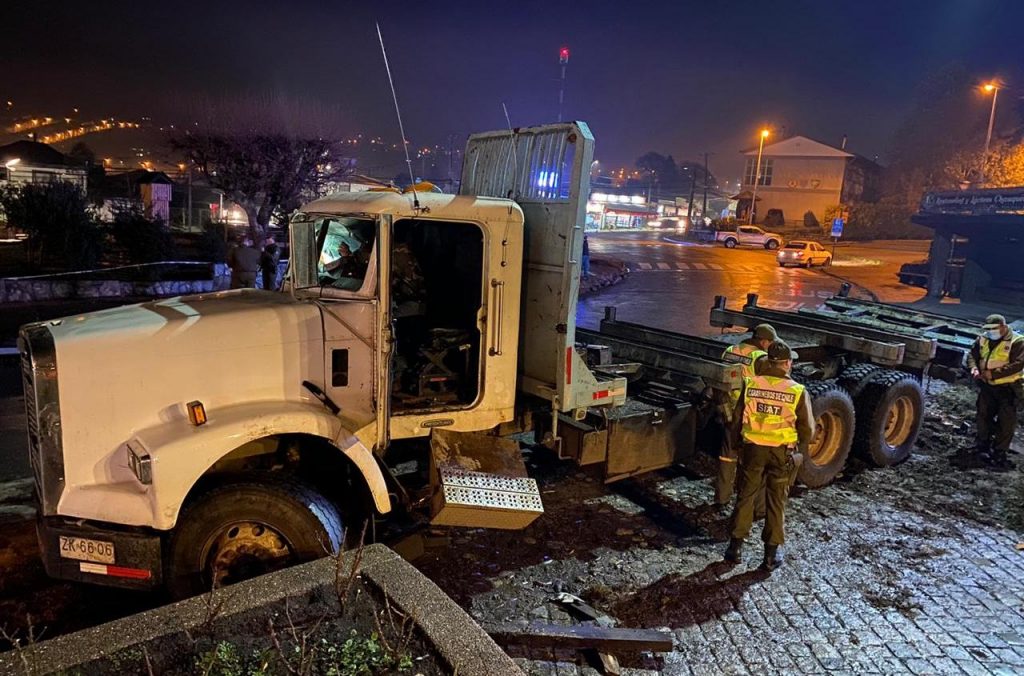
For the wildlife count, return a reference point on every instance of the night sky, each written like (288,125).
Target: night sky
(674,77)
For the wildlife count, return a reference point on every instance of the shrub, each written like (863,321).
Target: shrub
(811,221)
(61,230)
(211,244)
(143,240)
(878,221)
(774,219)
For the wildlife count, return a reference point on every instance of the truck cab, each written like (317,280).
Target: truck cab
(234,433)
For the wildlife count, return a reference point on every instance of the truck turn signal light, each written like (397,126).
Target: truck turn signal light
(196,413)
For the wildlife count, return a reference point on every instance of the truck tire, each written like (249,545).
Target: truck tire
(241,530)
(730,243)
(855,378)
(833,434)
(890,409)
(771,244)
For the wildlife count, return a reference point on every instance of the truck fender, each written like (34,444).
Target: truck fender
(180,454)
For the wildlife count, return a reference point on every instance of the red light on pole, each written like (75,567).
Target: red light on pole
(563,55)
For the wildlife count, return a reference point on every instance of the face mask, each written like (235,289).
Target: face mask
(994,334)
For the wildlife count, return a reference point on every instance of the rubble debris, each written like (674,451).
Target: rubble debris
(582,637)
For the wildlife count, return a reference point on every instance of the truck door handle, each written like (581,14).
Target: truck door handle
(496,311)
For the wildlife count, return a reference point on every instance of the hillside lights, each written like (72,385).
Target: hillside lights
(196,413)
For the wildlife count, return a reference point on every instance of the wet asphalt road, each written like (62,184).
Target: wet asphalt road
(673,284)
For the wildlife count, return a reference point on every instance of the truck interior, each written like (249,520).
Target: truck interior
(345,246)
(436,294)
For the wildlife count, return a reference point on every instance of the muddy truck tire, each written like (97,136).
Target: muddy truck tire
(855,378)
(241,530)
(833,434)
(890,409)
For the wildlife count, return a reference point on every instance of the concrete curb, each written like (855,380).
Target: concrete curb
(852,283)
(596,282)
(456,637)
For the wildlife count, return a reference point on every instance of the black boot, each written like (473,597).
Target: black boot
(734,550)
(998,461)
(970,458)
(772,558)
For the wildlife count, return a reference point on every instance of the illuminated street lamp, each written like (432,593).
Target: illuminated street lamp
(757,176)
(994,89)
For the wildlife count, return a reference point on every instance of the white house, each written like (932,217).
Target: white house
(24,162)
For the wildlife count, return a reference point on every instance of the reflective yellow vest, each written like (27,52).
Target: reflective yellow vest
(769,410)
(1000,356)
(746,354)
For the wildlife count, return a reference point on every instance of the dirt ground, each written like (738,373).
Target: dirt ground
(647,552)
(899,550)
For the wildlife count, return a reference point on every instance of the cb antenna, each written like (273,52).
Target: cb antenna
(398,114)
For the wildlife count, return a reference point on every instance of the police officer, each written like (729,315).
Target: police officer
(773,419)
(996,361)
(750,354)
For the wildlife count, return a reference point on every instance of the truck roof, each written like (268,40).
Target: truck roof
(456,207)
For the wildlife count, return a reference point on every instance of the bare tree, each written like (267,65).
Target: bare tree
(268,155)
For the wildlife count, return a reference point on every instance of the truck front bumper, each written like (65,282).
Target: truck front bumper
(67,546)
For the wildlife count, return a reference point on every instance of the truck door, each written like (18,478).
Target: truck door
(352,277)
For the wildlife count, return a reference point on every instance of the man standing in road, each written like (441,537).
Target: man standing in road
(751,355)
(996,361)
(245,264)
(773,419)
(268,264)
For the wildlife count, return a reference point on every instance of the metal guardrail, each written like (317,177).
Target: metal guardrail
(85,273)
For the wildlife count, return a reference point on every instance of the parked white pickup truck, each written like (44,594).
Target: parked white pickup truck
(750,235)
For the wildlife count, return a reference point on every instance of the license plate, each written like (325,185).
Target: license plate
(82,549)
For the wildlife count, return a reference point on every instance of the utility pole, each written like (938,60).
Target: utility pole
(994,88)
(563,59)
(757,177)
(451,181)
(704,208)
(689,204)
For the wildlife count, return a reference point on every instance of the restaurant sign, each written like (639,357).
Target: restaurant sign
(974,202)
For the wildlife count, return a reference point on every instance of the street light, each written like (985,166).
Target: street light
(994,89)
(757,176)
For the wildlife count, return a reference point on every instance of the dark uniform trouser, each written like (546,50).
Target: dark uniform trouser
(767,470)
(725,481)
(997,415)
(243,279)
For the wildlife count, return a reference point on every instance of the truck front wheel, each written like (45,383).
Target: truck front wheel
(730,243)
(241,530)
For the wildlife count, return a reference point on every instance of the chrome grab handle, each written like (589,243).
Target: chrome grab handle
(496,314)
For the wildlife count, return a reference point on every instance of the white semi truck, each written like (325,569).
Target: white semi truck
(196,441)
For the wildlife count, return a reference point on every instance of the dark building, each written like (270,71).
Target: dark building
(978,249)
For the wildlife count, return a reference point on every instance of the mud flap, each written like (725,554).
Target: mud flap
(480,481)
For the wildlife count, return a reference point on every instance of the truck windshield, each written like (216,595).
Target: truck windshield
(331,251)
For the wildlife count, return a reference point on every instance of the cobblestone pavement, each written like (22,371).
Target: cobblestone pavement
(913,569)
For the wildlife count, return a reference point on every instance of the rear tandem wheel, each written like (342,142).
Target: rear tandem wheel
(833,434)
(890,408)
